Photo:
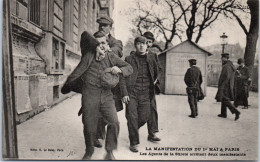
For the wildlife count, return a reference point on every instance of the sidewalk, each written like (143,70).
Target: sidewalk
(57,133)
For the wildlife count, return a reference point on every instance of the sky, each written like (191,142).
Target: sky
(210,36)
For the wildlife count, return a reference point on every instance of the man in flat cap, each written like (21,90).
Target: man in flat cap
(138,89)
(241,84)
(105,25)
(193,80)
(225,87)
(97,97)
(152,123)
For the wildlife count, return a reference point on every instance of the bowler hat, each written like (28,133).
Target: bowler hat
(109,80)
(240,60)
(148,35)
(193,61)
(226,55)
(105,20)
(140,39)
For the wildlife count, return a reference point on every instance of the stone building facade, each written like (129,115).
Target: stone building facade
(45,46)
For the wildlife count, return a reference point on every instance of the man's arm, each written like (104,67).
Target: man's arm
(116,46)
(125,68)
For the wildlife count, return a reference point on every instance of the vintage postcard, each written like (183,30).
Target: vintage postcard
(130,80)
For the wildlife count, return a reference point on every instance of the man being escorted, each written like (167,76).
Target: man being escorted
(193,80)
(97,98)
(225,87)
(241,85)
(138,89)
(116,46)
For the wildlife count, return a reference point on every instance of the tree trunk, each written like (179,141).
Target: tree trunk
(252,36)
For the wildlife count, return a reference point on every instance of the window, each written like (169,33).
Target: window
(62,60)
(58,56)
(34,11)
(55,54)
(55,93)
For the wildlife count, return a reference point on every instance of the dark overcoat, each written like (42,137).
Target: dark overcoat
(226,82)
(127,84)
(193,77)
(241,87)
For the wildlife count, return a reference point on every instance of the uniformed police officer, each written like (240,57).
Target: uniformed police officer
(193,80)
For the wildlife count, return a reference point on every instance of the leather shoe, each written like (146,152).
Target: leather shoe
(133,148)
(97,143)
(109,156)
(237,115)
(153,138)
(88,155)
(191,116)
(222,116)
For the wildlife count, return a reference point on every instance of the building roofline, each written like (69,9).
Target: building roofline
(209,54)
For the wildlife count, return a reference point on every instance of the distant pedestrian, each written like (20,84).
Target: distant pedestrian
(193,80)
(241,85)
(138,89)
(152,123)
(225,87)
(97,98)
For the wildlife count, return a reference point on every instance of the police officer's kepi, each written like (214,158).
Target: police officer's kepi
(193,61)
(140,39)
(105,20)
(226,55)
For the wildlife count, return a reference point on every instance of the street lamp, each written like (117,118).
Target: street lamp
(224,41)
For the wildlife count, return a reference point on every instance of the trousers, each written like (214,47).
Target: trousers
(137,113)
(226,103)
(95,102)
(152,123)
(192,99)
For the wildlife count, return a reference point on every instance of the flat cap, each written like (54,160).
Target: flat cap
(140,39)
(193,61)
(105,20)
(148,35)
(225,55)
(99,34)
(240,60)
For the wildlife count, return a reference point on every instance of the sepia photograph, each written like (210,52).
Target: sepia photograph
(130,80)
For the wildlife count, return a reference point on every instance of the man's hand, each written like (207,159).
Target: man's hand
(100,53)
(126,99)
(115,70)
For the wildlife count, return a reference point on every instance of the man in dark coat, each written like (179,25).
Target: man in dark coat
(105,25)
(241,84)
(97,98)
(138,90)
(152,123)
(193,80)
(225,87)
